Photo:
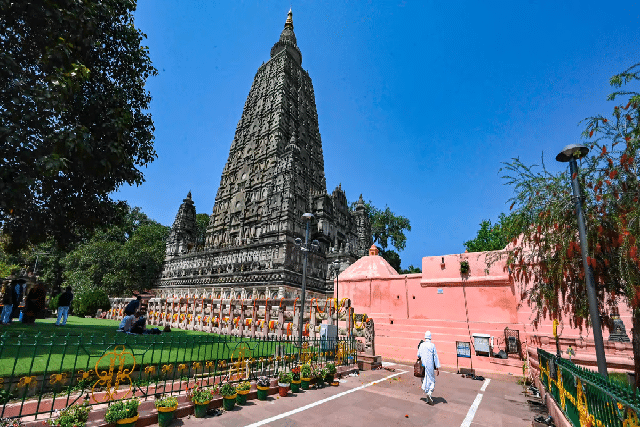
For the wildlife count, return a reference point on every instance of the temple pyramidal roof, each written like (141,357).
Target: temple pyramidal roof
(369,267)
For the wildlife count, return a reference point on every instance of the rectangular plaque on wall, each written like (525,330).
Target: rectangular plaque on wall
(440,290)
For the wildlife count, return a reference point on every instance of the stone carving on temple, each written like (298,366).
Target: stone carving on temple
(274,174)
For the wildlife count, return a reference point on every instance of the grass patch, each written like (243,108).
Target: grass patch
(44,349)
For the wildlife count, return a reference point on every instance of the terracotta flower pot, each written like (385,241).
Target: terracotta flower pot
(283,389)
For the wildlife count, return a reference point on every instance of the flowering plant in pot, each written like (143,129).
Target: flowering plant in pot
(306,374)
(295,379)
(284,380)
(228,392)
(263,384)
(331,373)
(243,389)
(320,374)
(200,396)
(123,412)
(72,416)
(166,407)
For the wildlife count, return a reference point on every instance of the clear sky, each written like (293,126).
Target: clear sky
(419,102)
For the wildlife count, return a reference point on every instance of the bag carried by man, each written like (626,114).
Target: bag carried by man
(418,368)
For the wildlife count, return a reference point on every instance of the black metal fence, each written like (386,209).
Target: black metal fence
(43,373)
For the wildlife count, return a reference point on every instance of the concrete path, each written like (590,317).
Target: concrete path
(386,398)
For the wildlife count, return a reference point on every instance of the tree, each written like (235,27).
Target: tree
(202,222)
(73,121)
(492,237)
(410,270)
(547,256)
(387,229)
(119,260)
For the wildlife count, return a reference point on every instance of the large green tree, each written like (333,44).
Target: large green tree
(493,237)
(388,230)
(73,119)
(121,259)
(547,256)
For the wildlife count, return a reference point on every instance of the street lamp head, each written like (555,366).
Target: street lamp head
(315,245)
(572,151)
(307,216)
(335,264)
(298,241)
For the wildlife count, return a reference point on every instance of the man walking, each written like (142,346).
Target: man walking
(7,302)
(429,358)
(64,301)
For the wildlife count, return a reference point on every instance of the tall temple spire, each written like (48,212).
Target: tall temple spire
(289,23)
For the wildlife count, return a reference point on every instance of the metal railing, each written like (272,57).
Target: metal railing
(43,373)
(585,397)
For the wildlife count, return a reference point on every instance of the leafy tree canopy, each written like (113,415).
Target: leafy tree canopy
(202,222)
(387,229)
(73,121)
(493,237)
(119,260)
(548,256)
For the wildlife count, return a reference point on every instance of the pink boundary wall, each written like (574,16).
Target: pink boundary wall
(454,307)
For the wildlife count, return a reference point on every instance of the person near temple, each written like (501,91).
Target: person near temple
(133,306)
(64,302)
(127,322)
(429,358)
(140,325)
(7,303)
(34,304)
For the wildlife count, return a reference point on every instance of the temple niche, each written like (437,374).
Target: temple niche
(274,174)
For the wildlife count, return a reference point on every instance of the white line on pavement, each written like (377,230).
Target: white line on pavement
(474,406)
(320,402)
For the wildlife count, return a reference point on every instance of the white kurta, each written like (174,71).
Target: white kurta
(429,357)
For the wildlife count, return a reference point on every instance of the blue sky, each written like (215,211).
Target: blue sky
(419,102)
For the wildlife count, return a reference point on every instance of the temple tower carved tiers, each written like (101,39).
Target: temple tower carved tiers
(274,174)
(183,233)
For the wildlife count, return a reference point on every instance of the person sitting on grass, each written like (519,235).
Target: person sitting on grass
(127,323)
(140,325)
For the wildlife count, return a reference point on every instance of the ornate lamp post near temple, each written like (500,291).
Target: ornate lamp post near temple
(305,248)
(570,154)
(335,268)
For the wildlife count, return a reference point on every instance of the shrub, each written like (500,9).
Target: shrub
(331,368)
(295,373)
(244,386)
(200,395)
(88,303)
(73,416)
(121,410)
(53,302)
(227,389)
(263,382)
(464,267)
(305,371)
(285,378)
(166,402)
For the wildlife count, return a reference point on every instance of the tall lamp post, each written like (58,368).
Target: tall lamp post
(570,154)
(335,267)
(305,248)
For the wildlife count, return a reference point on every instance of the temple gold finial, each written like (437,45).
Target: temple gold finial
(289,23)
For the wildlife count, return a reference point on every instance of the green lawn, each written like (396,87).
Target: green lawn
(81,344)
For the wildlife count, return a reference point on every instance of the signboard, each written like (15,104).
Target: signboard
(463,349)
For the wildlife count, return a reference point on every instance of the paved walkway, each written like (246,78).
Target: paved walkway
(386,398)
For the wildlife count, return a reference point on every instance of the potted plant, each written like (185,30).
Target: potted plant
(331,373)
(243,389)
(200,396)
(320,374)
(295,379)
(166,407)
(305,376)
(263,387)
(284,380)
(74,415)
(123,412)
(228,393)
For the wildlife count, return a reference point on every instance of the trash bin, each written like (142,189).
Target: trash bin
(481,344)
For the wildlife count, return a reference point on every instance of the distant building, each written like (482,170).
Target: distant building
(274,174)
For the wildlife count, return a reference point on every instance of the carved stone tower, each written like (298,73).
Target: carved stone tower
(183,233)
(274,174)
